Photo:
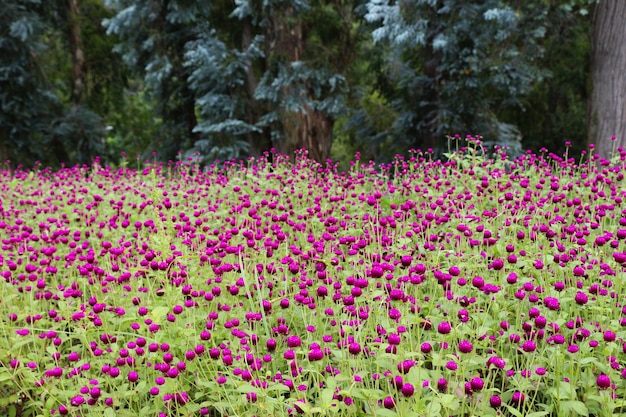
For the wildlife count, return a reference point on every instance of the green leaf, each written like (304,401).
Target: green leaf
(386,413)
(158,314)
(246,388)
(539,413)
(331,383)
(578,407)
(5,376)
(449,401)
(434,408)
(513,411)
(327,396)
(109,412)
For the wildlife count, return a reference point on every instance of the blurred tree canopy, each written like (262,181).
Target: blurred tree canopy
(205,80)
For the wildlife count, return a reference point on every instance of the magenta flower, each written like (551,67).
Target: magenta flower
(465,346)
(444,327)
(293,341)
(389,403)
(603,381)
(529,346)
(581,298)
(477,384)
(495,401)
(408,390)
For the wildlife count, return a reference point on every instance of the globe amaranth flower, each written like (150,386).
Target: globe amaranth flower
(603,381)
(477,384)
(444,327)
(518,397)
(581,298)
(389,403)
(529,346)
(495,401)
(465,346)
(408,390)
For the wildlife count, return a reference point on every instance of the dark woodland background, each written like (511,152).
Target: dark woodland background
(174,79)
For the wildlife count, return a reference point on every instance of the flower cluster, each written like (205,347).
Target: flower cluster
(279,288)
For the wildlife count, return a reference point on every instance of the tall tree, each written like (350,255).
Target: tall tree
(455,63)
(55,84)
(250,76)
(152,37)
(607,101)
(28,102)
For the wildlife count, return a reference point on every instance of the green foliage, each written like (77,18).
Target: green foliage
(27,99)
(39,121)
(222,80)
(555,111)
(151,39)
(455,64)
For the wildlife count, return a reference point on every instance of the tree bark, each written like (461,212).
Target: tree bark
(309,128)
(606,108)
(79,65)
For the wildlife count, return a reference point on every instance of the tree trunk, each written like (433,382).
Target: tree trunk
(606,108)
(261,142)
(428,134)
(4,152)
(79,65)
(309,129)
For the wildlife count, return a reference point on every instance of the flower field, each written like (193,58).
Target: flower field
(473,287)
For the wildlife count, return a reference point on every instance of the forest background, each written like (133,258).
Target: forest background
(215,80)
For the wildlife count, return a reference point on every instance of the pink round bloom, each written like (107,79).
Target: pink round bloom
(609,336)
(316,355)
(293,341)
(603,381)
(518,397)
(581,298)
(442,385)
(354,348)
(408,390)
(477,384)
(444,327)
(465,346)
(529,346)
(405,366)
(389,403)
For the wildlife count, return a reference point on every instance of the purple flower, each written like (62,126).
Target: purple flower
(477,384)
(495,401)
(293,341)
(581,298)
(405,366)
(354,348)
(315,355)
(609,336)
(518,398)
(603,381)
(389,403)
(444,327)
(442,385)
(465,346)
(529,346)
(408,390)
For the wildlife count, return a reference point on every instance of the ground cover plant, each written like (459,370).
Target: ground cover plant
(474,286)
